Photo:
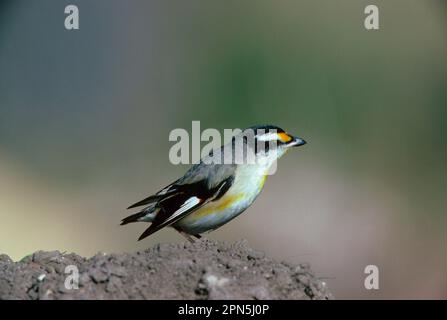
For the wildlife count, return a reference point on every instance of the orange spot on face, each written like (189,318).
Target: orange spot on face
(284,137)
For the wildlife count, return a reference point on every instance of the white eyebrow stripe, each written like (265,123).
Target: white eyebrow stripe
(268,137)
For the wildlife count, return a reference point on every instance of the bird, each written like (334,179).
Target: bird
(219,187)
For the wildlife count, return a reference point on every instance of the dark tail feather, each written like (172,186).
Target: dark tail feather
(133,218)
(147,233)
(148,200)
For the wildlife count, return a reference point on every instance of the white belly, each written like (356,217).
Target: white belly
(246,187)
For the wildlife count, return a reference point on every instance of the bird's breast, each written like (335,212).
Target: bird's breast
(246,187)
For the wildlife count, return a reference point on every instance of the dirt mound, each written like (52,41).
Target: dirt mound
(202,270)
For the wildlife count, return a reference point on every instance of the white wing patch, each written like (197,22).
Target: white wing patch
(165,190)
(188,204)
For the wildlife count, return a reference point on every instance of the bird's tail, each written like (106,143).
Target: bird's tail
(133,217)
(145,215)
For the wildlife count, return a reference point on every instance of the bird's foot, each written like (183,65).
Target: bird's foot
(188,236)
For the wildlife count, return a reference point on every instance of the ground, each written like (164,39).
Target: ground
(202,270)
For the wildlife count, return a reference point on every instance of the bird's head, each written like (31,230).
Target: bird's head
(266,142)
(265,134)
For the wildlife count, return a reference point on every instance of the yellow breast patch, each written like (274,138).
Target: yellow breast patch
(219,205)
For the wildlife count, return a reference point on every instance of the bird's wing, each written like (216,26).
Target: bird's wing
(187,199)
(208,176)
(165,192)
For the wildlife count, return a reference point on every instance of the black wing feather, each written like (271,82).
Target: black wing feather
(148,200)
(170,205)
(163,217)
(167,191)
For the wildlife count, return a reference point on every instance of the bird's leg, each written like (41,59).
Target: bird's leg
(187,236)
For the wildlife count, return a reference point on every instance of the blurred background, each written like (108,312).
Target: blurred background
(85,117)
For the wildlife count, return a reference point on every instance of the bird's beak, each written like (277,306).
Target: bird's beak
(296,142)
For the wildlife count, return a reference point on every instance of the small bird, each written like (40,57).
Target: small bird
(211,193)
